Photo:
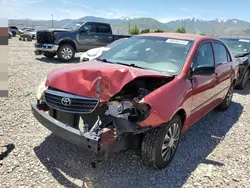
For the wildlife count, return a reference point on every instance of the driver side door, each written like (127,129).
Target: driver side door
(87,40)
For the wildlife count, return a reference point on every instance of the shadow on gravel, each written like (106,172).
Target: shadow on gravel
(72,166)
(245,91)
(6,151)
(56,60)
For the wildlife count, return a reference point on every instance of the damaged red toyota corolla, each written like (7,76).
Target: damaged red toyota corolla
(143,93)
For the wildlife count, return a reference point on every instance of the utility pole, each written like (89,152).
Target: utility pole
(52,21)
(128,25)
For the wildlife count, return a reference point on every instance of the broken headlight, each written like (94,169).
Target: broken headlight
(40,90)
(128,110)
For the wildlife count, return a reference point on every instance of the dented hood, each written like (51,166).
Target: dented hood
(96,79)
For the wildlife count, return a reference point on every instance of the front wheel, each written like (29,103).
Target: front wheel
(14,34)
(160,144)
(66,53)
(228,99)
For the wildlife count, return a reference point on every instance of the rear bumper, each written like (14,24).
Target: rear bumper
(74,136)
(40,48)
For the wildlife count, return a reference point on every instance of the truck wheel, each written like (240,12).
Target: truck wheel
(228,99)
(49,54)
(14,33)
(244,80)
(160,144)
(66,53)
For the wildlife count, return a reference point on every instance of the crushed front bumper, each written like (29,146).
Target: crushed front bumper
(74,136)
(40,48)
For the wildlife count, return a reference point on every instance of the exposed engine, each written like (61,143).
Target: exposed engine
(126,104)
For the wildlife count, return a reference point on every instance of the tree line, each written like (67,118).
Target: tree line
(135,30)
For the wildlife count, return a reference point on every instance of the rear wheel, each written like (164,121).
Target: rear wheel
(66,53)
(49,54)
(228,99)
(14,33)
(244,80)
(159,145)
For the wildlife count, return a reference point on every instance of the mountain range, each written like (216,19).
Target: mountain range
(121,25)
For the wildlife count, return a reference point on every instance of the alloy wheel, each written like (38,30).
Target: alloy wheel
(66,53)
(170,142)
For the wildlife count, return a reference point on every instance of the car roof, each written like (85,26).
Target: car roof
(234,37)
(185,36)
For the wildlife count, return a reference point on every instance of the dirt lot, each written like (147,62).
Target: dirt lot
(214,153)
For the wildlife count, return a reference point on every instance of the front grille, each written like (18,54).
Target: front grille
(44,37)
(77,104)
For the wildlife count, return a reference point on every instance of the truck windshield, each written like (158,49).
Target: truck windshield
(155,53)
(72,25)
(238,46)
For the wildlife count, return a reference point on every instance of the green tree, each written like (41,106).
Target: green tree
(159,31)
(134,30)
(181,30)
(203,34)
(145,31)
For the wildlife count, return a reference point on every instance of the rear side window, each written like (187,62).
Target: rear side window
(204,56)
(102,28)
(220,53)
(13,27)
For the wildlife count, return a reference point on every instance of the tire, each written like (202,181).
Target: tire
(228,99)
(66,53)
(244,80)
(14,33)
(152,151)
(49,54)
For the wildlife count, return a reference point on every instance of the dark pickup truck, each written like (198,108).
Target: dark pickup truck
(74,37)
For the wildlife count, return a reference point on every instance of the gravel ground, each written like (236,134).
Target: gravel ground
(214,153)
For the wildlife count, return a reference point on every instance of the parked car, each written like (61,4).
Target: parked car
(96,52)
(240,48)
(74,37)
(9,34)
(21,31)
(143,93)
(14,30)
(31,32)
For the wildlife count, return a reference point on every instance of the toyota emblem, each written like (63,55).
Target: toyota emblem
(66,101)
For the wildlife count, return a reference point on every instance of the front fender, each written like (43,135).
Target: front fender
(167,100)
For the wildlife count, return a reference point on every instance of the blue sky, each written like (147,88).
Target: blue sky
(163,10)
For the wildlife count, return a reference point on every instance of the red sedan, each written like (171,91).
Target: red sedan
(143,93)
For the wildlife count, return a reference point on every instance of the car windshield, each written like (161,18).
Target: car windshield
(238,46)
(72,25)
(113,44)
(162,54)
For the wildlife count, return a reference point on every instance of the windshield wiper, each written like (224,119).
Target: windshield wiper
(242,55)
(131,65)
(104,60)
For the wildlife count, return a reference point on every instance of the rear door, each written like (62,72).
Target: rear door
(203,91)
(223,68)
(88,40)
(105,35)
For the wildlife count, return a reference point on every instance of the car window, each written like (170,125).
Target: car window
(91,27)
(102,28)
(220,53)
(204,56)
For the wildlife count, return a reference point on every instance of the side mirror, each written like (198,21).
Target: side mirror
(203,70)
(84,30)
